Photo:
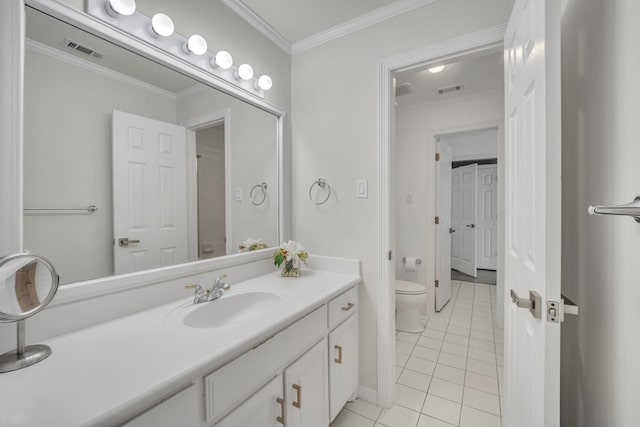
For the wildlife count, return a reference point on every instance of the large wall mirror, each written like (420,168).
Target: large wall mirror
(130,165)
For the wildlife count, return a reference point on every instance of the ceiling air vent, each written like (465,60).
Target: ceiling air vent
(404,89)
(71,44)
(449,89)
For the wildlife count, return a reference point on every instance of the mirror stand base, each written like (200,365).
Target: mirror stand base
(12,361)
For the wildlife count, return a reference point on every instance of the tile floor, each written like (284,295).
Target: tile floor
(450,375)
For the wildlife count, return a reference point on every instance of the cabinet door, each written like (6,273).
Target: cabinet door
(307,389)
(266,408)
(343,364)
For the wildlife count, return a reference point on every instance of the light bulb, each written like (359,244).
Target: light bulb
(245,72)
(436,69)
(117,8)
(161,25)
(265,82)
(196,45)
(223,59)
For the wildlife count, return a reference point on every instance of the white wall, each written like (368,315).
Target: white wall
(600,128)
(417,125)
(334,100)
(473,145)
(67,160)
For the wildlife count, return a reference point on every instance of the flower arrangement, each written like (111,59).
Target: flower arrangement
(251,245)
(290,253)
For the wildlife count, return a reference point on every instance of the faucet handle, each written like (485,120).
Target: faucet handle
(198,288)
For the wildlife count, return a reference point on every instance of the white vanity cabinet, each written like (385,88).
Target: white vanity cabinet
(343,351)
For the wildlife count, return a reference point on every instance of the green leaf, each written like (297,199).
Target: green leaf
(278,258)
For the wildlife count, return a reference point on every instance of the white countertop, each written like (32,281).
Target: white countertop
(95,375)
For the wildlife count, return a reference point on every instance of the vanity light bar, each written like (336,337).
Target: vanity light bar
(159,31)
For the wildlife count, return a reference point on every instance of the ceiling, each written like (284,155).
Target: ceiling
(51,32)
(477,74)
(298,19)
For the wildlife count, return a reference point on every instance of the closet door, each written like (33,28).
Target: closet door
(463,219)
(487,217)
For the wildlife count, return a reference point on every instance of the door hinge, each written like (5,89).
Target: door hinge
(436,283)
(437,220)
(557,309)
(437,157)
(389,255)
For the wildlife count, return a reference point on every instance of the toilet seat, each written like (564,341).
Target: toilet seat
(409,288)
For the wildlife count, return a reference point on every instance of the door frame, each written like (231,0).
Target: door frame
(193,125)
(482,41)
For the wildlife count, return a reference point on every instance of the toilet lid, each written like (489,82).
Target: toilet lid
(409,288)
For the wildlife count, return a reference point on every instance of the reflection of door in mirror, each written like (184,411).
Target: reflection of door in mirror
(149,193)
(211,191)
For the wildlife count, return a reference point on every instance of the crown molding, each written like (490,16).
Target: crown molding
(95,68)
(382,14)
(258,23)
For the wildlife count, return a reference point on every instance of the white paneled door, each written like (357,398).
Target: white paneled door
(149,193)
(463,217)
(443,229)
(532,213)
(487,217)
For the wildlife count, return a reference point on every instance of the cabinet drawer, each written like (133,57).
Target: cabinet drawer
(343,306)
(230,385)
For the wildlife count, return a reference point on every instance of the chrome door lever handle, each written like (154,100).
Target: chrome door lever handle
(471,225)
(630,209)
(534,303)
(124,241)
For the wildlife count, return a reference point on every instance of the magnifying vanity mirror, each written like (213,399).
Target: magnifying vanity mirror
(27,284)
(130,165)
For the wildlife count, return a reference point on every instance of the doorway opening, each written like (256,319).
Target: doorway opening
(399,199)
(472,217)
(210,171)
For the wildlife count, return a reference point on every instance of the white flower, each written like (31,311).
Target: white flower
(292,249)
(252,245)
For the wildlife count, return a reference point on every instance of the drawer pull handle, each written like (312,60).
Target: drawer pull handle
(283,414)
(348,307)
(298,402)
(339,359)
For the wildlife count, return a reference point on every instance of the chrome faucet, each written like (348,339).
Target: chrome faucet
(202,295)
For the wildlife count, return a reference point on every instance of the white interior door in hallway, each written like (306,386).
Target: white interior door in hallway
(532,213)
(149,193)
(443,229)
(487,217)
(463,216)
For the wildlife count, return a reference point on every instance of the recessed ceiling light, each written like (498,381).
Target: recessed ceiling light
(436,69)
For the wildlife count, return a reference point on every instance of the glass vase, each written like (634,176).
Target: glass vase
(291,268)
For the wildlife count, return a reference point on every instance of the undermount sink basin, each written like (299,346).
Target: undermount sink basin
(229,309)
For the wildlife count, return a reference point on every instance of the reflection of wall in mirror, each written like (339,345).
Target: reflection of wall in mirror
(67,152)
(254,159)
(211,192)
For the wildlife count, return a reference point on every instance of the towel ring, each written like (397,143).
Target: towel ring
(322,183)
(262,187)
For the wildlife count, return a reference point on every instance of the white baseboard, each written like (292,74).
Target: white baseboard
(368,395)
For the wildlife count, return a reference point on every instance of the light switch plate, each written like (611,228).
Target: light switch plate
(239,194)
(362,189)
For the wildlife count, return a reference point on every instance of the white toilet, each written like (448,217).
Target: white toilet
(411,299)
